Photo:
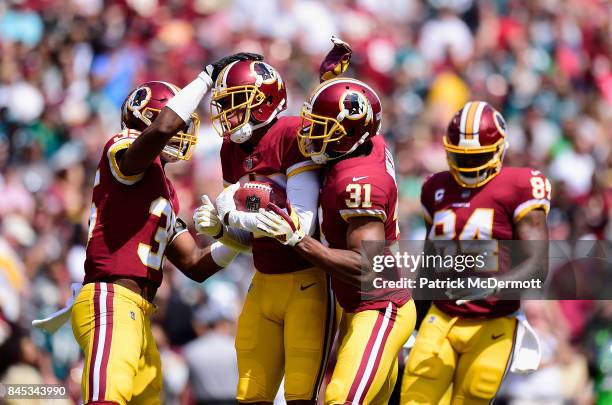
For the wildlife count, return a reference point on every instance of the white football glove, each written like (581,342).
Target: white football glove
(229,215)
(276,223)
(206,220)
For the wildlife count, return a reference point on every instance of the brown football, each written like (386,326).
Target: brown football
(256,194)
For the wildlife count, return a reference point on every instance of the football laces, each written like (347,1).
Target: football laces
(259,186)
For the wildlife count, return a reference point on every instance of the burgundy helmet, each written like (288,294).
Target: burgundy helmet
(247,95)
(475,143)
(341,115)
(143,105)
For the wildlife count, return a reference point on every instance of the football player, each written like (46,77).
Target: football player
(359,202)
(468,341)
(133,226)
(287,322)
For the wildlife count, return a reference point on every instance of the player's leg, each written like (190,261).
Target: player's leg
(148,383)
(367,356)
(388,384)
(111,339)
(431,363)
(482,367)
(309,332)
(259,341)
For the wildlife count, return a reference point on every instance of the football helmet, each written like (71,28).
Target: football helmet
(247,95)
(143,105)
(340,115)
(475,144)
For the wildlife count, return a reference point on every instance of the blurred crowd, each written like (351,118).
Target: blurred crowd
(66,66)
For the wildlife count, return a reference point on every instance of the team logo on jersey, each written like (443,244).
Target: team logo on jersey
(139,98)
(264,72)
(354,105)
(252,203)
(439,194)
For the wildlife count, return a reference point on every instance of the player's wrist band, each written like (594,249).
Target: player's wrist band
(185,102)
(221,254)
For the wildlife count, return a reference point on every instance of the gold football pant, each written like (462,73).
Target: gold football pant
(122,363)
(471,354)
(370,341)
(286,328)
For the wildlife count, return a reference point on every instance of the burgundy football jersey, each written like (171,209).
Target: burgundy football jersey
(361,186)
(276,157)
(487,213)
(132,218)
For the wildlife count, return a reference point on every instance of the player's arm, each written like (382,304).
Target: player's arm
(174,116)
(347,265)
(529,217)
(197,264)
(303,185)
(532,232)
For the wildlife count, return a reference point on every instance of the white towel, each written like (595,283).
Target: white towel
(527,352)
(54,321)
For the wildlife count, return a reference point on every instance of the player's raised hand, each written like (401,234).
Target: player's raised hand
(276,223)
(206,219)
(215,68)
(336,61)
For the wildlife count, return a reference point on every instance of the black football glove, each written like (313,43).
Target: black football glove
(215,68)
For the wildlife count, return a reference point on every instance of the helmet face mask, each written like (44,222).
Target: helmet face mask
(230,109)
(341,115)
(143,105)
(317,132)
(475,144)
(247,95)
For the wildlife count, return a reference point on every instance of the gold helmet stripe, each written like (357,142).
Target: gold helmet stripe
(469,124)
(478,116)
(464,112)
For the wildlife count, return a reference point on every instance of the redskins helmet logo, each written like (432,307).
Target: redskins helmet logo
(264,72)
(139,98)
(500,123)
(354,105)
